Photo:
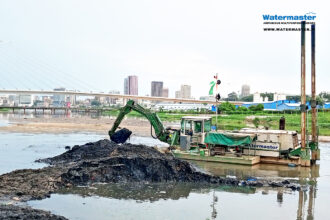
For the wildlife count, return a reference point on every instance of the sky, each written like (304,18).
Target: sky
(94,45)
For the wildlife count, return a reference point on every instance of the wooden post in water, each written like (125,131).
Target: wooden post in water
(314,145)
(313,101)
(305,155)
(303,88)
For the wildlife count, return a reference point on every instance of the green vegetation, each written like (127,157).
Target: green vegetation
(4,109)
(271,120)
(95,103)
(245,118)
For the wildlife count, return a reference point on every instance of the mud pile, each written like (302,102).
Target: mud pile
(16,212)
(27,184)
(78,153)
(107,162)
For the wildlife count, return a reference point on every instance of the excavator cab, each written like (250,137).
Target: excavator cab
(193,131)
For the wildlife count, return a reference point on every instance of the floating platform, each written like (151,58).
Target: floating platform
(279,161)
(243,160)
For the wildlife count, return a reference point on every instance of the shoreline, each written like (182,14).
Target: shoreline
(62,125)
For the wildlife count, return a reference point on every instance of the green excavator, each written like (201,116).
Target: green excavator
(167,135)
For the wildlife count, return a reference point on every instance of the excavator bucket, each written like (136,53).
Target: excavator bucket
(121,136)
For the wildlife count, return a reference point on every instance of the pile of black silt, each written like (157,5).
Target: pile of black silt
(16,212)
(107,162)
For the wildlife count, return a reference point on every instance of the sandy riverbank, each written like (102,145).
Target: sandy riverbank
(102,125)
(139,127)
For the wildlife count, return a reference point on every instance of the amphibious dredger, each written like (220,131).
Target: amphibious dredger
(195,140)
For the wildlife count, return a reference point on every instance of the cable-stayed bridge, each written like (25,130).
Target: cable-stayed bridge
(23,72)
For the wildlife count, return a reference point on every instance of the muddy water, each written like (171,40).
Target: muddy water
(178,201)
(19,151)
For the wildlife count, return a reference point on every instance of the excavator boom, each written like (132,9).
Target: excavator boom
(161,133)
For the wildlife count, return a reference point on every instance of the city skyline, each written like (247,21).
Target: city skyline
(177,48)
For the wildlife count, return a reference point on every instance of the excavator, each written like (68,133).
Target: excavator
(168,135)
(196,139)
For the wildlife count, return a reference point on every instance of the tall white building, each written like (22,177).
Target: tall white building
(257,97)
(178,94)
(185,91)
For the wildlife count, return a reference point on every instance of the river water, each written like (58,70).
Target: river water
(174,201)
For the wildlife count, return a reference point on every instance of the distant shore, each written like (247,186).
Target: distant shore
(139,127)
(55,125)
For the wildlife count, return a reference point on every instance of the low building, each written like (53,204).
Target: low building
(183,106)
(207,98)
(288,106)
(25,100)
(272,105)
(279,97)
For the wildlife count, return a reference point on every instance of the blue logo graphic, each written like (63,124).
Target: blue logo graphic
(310,16)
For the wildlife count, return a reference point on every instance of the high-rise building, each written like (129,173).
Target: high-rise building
(245,90)
(131,85)
(126,86)
(157,88)
(165,92)
(185,91)
(178,94)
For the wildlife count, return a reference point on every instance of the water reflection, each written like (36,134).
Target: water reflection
(259,170)
(302,202)
(152,191)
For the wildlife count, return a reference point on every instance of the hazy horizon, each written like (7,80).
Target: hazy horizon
(94,45)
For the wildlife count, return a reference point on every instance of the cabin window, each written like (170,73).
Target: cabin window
(207,126)
(182,125)
(198,126)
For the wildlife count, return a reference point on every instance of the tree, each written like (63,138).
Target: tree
(295,98)
(320,101)
(325,96)
(95,103)
(257,108)
(227,107)
(269,95)
(242,108)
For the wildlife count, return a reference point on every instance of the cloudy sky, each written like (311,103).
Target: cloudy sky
(93,45)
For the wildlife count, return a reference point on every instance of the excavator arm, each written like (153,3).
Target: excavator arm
(161,133)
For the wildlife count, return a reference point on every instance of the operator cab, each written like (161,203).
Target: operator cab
(193,130)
